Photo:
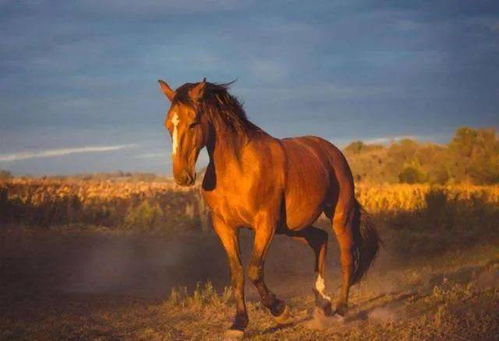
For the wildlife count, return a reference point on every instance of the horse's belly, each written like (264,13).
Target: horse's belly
(299,217)
(304,202)
(307,184)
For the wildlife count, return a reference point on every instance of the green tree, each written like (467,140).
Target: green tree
(355,147)
(474,156)
(412,175)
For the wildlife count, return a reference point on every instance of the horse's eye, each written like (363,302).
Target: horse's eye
(193,124)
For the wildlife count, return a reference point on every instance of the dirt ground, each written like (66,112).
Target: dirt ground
(78,285)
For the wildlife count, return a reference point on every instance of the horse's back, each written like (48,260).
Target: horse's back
(317,174)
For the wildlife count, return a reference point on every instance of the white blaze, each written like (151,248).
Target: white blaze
(320,286)
(175,121)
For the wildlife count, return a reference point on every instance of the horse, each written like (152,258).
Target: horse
(270,185)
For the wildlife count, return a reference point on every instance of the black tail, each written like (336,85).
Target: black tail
(366,243)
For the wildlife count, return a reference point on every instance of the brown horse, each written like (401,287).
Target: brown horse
(273,186)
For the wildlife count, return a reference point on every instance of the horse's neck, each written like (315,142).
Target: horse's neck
(226,147)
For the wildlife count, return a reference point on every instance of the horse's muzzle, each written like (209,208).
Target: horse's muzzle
(185,178)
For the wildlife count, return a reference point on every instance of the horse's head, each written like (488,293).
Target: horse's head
(188,128)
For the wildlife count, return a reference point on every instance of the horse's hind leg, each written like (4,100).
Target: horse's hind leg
(317,240)
(263,236)
(342,222)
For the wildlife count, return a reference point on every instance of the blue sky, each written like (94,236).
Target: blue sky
(79,92)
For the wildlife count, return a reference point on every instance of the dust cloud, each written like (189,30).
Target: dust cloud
(40,268)
(46,266)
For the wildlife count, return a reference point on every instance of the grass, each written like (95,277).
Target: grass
(163,207)
(447,301)
(204,295)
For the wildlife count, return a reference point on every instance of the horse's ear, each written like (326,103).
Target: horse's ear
(197,91)
(169,93)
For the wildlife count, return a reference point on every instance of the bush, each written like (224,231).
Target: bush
(146,216)
(204,295)
(412,175)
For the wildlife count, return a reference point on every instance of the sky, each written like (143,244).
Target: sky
(79,91)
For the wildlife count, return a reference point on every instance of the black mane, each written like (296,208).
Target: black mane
(217,102)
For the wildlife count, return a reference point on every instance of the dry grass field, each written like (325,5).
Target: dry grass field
(436,276)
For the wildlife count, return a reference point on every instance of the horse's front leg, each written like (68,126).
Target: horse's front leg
(230,240)
(264,232)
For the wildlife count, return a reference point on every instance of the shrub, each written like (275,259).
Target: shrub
(204,295)
(145,216)
(412,175)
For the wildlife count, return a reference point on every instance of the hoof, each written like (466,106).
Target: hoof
(338,318)
(284,317)
(233,334)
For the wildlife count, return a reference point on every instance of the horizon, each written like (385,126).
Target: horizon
(202,161)
(200,165)
(79,91)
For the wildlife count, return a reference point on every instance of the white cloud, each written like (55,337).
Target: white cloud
(152,155)
(60,152)
(387,139)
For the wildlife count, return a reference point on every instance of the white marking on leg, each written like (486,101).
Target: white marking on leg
(175,121)
(320,286)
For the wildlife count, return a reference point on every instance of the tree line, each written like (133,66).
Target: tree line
(472,156)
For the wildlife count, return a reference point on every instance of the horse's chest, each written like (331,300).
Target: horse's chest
(238,201)
(233,206)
